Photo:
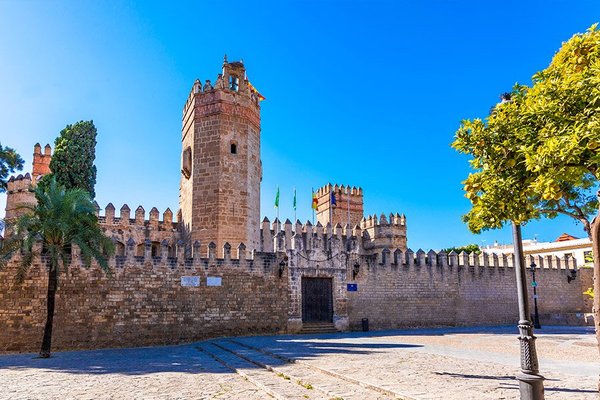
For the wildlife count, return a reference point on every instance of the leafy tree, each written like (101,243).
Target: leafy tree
(539,154)
(469,248)
(74,154)
(61,218)
(563,108)
(10,162)
(499,189)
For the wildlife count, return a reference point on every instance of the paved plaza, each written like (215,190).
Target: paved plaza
(455,363)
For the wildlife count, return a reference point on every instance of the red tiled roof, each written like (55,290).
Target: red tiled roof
(565,237)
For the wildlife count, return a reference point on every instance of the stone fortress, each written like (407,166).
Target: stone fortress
(216,269)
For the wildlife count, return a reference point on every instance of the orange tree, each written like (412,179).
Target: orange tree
(538,155)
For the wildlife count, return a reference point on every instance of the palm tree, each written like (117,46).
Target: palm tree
(61,218)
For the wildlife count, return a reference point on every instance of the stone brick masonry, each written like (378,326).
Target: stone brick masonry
(144,303)
(373,274)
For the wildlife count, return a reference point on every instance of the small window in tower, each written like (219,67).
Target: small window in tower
(186,167)
(234,83)
(233,148)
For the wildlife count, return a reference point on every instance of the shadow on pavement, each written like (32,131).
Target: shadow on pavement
(493,377)
(493,330)
(302,347)
(149,360)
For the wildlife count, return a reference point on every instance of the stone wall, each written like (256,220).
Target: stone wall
(587,281)
(144,303)
(421,293)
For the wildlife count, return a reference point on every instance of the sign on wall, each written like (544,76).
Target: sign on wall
(352,287)
(190,281)
(213,281)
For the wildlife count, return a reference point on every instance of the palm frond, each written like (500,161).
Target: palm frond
(62,218)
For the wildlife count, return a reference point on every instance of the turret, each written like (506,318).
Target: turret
(41,162)
(339,205)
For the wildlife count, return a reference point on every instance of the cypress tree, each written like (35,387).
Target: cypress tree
(72,163)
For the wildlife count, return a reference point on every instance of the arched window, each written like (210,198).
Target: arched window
(186,167)
(233,148)
(234,83)
(119,249)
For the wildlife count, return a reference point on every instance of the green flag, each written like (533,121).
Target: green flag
(277,198)
(294,199)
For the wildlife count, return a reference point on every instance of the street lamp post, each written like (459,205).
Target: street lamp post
(531,383)
(536,315)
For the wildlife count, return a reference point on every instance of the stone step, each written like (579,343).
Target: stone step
(318,327)
(331,383)
(273,385)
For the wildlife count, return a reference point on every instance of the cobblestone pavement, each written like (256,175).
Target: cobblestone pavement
(455,363)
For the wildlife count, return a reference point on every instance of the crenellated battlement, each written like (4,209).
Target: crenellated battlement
(420,258)
(19,183)
(139,218)
(345,189)
(20,194)
(347,208)
(364,238)
(373,221)
(41,162)
(196,258)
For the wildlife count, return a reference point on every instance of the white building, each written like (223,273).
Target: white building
(580,249)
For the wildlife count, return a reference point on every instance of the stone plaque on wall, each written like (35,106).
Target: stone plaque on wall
(190,281)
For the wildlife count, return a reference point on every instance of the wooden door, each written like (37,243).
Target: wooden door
(317,300)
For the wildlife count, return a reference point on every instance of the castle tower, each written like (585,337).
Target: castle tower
(41,162)
(348,207)
(18,189)
(221,169)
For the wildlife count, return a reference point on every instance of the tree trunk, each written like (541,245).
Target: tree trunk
(596,254)
(47,340)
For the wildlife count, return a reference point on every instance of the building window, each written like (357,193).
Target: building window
(233,148)
(588,257)
(119,249)
(186,164)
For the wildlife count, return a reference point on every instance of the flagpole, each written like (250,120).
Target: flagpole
(277,202)
(312,194)
(295,206)
(331,206)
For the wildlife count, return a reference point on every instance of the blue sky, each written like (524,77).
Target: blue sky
(361,93)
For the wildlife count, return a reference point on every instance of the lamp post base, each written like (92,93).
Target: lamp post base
(531,386)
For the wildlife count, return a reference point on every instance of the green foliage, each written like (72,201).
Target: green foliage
(469,248)
(10,162)
(563,110)
(539,154)
(61,218)
(73,160)
(499,188)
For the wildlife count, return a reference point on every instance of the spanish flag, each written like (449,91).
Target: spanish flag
(253,89)
(315,202)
